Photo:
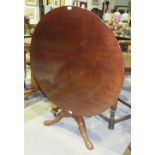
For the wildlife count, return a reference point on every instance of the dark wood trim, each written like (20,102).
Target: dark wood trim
(41,8)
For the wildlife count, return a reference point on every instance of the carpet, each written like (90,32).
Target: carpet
(63,138)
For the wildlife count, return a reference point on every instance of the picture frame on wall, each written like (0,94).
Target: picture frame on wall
(31,2)
(75,3)
(31,13)
(95,2)
(83,5)
(62,2)
(121,8)
(50,2)
(56,3)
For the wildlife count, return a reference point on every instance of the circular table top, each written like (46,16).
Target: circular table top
(76,61)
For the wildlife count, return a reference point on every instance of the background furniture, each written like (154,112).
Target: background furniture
(121,8)
(126,51)
(112,120)
(34,85)
(83,5)
(127,62)
(97,12)
(28,30)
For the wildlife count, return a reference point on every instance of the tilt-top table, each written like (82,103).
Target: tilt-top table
(77,63)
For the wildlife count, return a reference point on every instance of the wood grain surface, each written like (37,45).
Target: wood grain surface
(77,61)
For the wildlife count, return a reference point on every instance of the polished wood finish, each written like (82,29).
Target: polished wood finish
(80,122)
(77,61)
(29,91)
(124,42)
(34,86)
(54,109)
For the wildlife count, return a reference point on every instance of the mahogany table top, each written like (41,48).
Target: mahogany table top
(77,61)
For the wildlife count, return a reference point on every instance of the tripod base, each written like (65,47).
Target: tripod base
(80,122)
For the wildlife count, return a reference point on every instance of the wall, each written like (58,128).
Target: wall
(36,8)
(68,2)
(121,2)
(89,6)
(117,2)
(99,6)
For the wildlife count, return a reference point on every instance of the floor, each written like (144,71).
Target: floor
(65,133)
